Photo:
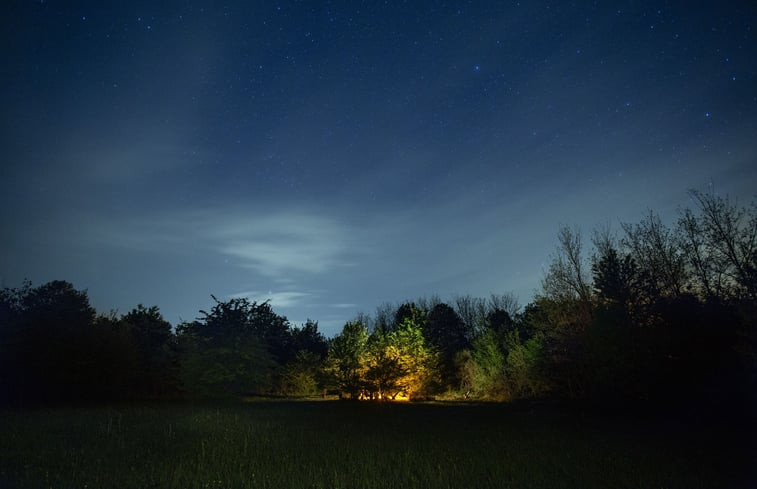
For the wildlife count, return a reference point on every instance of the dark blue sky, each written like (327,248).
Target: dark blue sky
(334,156)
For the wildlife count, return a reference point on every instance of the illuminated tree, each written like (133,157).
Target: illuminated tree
(380,367)
(417,358)
(400,362)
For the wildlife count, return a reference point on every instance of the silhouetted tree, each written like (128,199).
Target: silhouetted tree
(447,333)
(409,311)
(234,349)
(121,376)
(615,278)
(54,350)
(500,322)
(504,302)
(308,338)
(665,315)
(384,317)
(12,359)
(657,252)
(446,330)
(156,348)
(722,244)
(567,277)
(472,311)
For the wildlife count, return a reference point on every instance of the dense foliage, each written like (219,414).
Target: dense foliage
(655,313)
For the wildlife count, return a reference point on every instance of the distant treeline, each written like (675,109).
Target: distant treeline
(655,313)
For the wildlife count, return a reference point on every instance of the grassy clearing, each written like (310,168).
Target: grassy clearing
(358,445)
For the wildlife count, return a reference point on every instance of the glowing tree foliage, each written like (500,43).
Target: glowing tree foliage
(416,357)
(380,368)
(400,362)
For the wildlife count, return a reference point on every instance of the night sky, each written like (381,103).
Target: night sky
(334,156)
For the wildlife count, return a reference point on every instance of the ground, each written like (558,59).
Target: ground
(332,444)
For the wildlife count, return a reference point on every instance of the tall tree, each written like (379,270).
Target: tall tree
(564,312)
(446,331)
(308,338)
(55,352)
(154,341)
(417,359)
(658,254)
(504,302)
(487,368)
(567,277)
(234,349)
(346,351)
(615,277)
(472,311)
(728,239)
(409,311)
(381,370)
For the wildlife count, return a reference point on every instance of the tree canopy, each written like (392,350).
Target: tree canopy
(656,312)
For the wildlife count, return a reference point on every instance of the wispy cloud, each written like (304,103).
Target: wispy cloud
(278,299)
(284,243)
(279,245)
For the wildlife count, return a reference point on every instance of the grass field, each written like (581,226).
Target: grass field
(361,445)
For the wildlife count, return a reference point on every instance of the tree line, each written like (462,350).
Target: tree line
(654,313)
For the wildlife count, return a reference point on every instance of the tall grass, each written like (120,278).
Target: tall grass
(356,445)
